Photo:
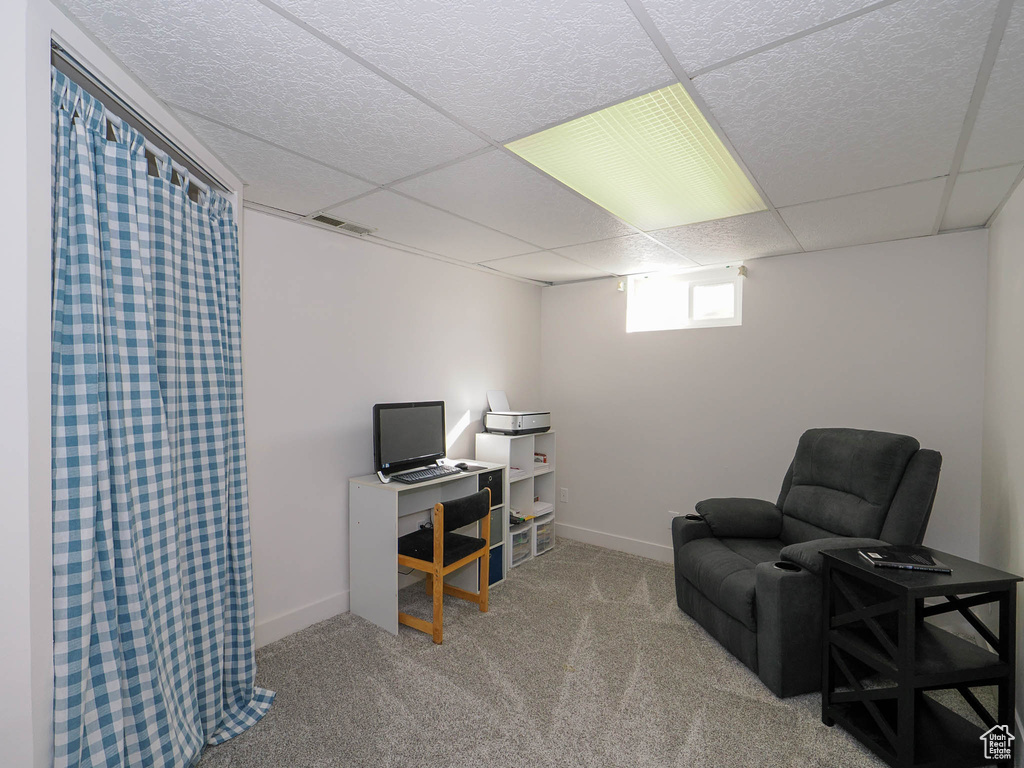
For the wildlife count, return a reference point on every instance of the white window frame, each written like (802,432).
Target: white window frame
(641,319)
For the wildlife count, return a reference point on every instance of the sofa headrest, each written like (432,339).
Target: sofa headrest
(845,479)
(856,461)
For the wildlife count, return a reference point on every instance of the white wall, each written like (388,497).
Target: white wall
(323,315)
(24,652)
(1002,517)
(887,337)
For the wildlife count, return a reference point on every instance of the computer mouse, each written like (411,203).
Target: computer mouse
(462,465)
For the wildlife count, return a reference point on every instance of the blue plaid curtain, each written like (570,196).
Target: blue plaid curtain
(153,607)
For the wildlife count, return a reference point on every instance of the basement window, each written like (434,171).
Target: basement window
(706,298)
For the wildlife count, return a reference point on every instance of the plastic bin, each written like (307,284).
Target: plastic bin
(544,535)
(520,544)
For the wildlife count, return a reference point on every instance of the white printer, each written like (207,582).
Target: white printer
(517,422)
(503,420)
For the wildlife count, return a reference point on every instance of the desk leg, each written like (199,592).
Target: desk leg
(373,556)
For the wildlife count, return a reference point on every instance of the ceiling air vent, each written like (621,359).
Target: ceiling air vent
(345,225)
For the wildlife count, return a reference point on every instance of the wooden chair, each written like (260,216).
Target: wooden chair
(437,551)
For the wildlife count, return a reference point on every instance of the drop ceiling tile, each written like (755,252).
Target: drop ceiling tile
(704,33)
(506,68)
(408,222)
(500,191)
(633,254)
(272,176)
(870,103)
(738,237)
(545,266)
(244,65)
(976,195)
(998,134)
(868,217)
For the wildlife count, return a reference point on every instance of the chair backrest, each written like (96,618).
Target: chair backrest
(849,482)
(468,509)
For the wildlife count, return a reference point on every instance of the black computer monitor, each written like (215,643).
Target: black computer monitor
(407,435)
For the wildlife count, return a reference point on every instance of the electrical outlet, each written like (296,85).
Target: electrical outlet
(563,495)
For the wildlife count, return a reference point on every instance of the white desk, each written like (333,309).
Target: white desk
(378,514)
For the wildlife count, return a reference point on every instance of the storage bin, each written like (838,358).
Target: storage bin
(494,480)
(497,564)
(520,544)
(497,537)
(544,535)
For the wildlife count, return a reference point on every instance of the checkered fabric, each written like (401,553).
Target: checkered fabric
(153,604)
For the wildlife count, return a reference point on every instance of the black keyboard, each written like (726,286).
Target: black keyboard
(430,473)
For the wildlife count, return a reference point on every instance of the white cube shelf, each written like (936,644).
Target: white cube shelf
(530,485)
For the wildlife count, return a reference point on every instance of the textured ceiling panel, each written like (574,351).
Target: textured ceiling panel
(869,217)
(506,68)
(497,190)
(868,104)
(628,255)
(546,267)
(408,222)
(242,64)
(739,237)
(705,33)
(272,176)
(976,195)
(998,135)
(873,102)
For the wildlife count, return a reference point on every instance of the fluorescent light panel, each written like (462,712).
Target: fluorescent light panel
(652,161)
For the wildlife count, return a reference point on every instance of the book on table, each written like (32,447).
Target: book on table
(907,557)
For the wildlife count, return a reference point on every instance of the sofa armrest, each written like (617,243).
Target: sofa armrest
(746,518)
(788,629)
(808,553)
(686,528)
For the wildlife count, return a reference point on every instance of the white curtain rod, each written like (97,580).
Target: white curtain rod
(119,108)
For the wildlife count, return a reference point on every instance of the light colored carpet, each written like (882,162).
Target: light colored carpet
(584,659)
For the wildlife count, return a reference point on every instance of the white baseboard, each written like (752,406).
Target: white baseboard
(662,552)
(281,626)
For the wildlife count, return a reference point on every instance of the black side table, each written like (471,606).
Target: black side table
(874,619)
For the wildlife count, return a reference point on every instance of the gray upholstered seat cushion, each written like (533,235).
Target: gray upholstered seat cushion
(723,571)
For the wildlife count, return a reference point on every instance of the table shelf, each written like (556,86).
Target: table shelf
(940,657)
(941,736)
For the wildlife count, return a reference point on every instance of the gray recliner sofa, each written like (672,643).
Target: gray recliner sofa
(844,488)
